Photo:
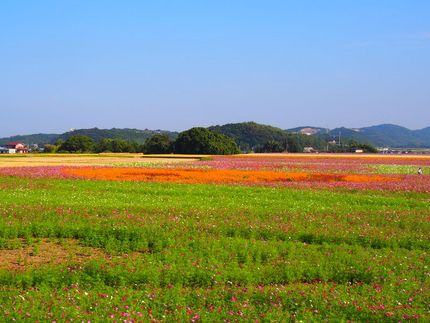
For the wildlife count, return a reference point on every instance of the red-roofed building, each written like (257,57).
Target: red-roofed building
(16,147)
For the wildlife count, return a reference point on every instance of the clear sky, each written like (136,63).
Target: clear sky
(174,64)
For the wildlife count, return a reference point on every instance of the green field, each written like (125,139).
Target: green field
(175,252)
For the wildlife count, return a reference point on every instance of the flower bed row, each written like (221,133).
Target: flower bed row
(192,176)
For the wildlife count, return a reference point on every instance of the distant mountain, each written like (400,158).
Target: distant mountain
(424,134)
(392,135)
(125,134)
(386,135)
(39,139)
(249,135)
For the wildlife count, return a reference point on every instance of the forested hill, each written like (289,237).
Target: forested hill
(96,134)
(255,136)
(136,135)
(384,135)
(249,135)
(40,139)
(393,136)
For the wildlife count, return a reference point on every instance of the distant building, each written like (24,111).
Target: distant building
(4,150)
(16,147)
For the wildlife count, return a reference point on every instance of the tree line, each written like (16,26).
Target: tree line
(193,141)
(197,141)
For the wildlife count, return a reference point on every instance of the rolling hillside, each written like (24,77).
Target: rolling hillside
(96,134)
(125,134)
(249,135)
(39,139)
(384,135)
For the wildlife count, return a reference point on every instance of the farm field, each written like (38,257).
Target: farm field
(105,159)
(237,238)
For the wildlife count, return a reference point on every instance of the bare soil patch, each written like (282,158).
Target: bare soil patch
(47,252)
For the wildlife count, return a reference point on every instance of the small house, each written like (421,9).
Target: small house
(16,147)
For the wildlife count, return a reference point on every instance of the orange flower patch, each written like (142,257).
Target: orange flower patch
(215,175)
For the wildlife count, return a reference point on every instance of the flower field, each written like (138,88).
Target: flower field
(242,238)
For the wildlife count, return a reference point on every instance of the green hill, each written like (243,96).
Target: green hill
(249,135)
(136,135)
(424,135)
(39,139)
(386,135)
(96,134)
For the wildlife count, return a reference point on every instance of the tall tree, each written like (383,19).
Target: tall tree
(77,143)
(158,144)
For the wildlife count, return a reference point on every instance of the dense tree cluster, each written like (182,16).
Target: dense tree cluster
(159,144)
(293,143)
(130,135)
(117,146)
(203,141)
(78,143)
(271,146)
(351,146)
(192,141)
(85,144)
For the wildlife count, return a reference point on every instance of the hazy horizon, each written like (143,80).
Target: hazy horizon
(174,65)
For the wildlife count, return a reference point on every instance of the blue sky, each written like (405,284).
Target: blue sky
(181,63)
